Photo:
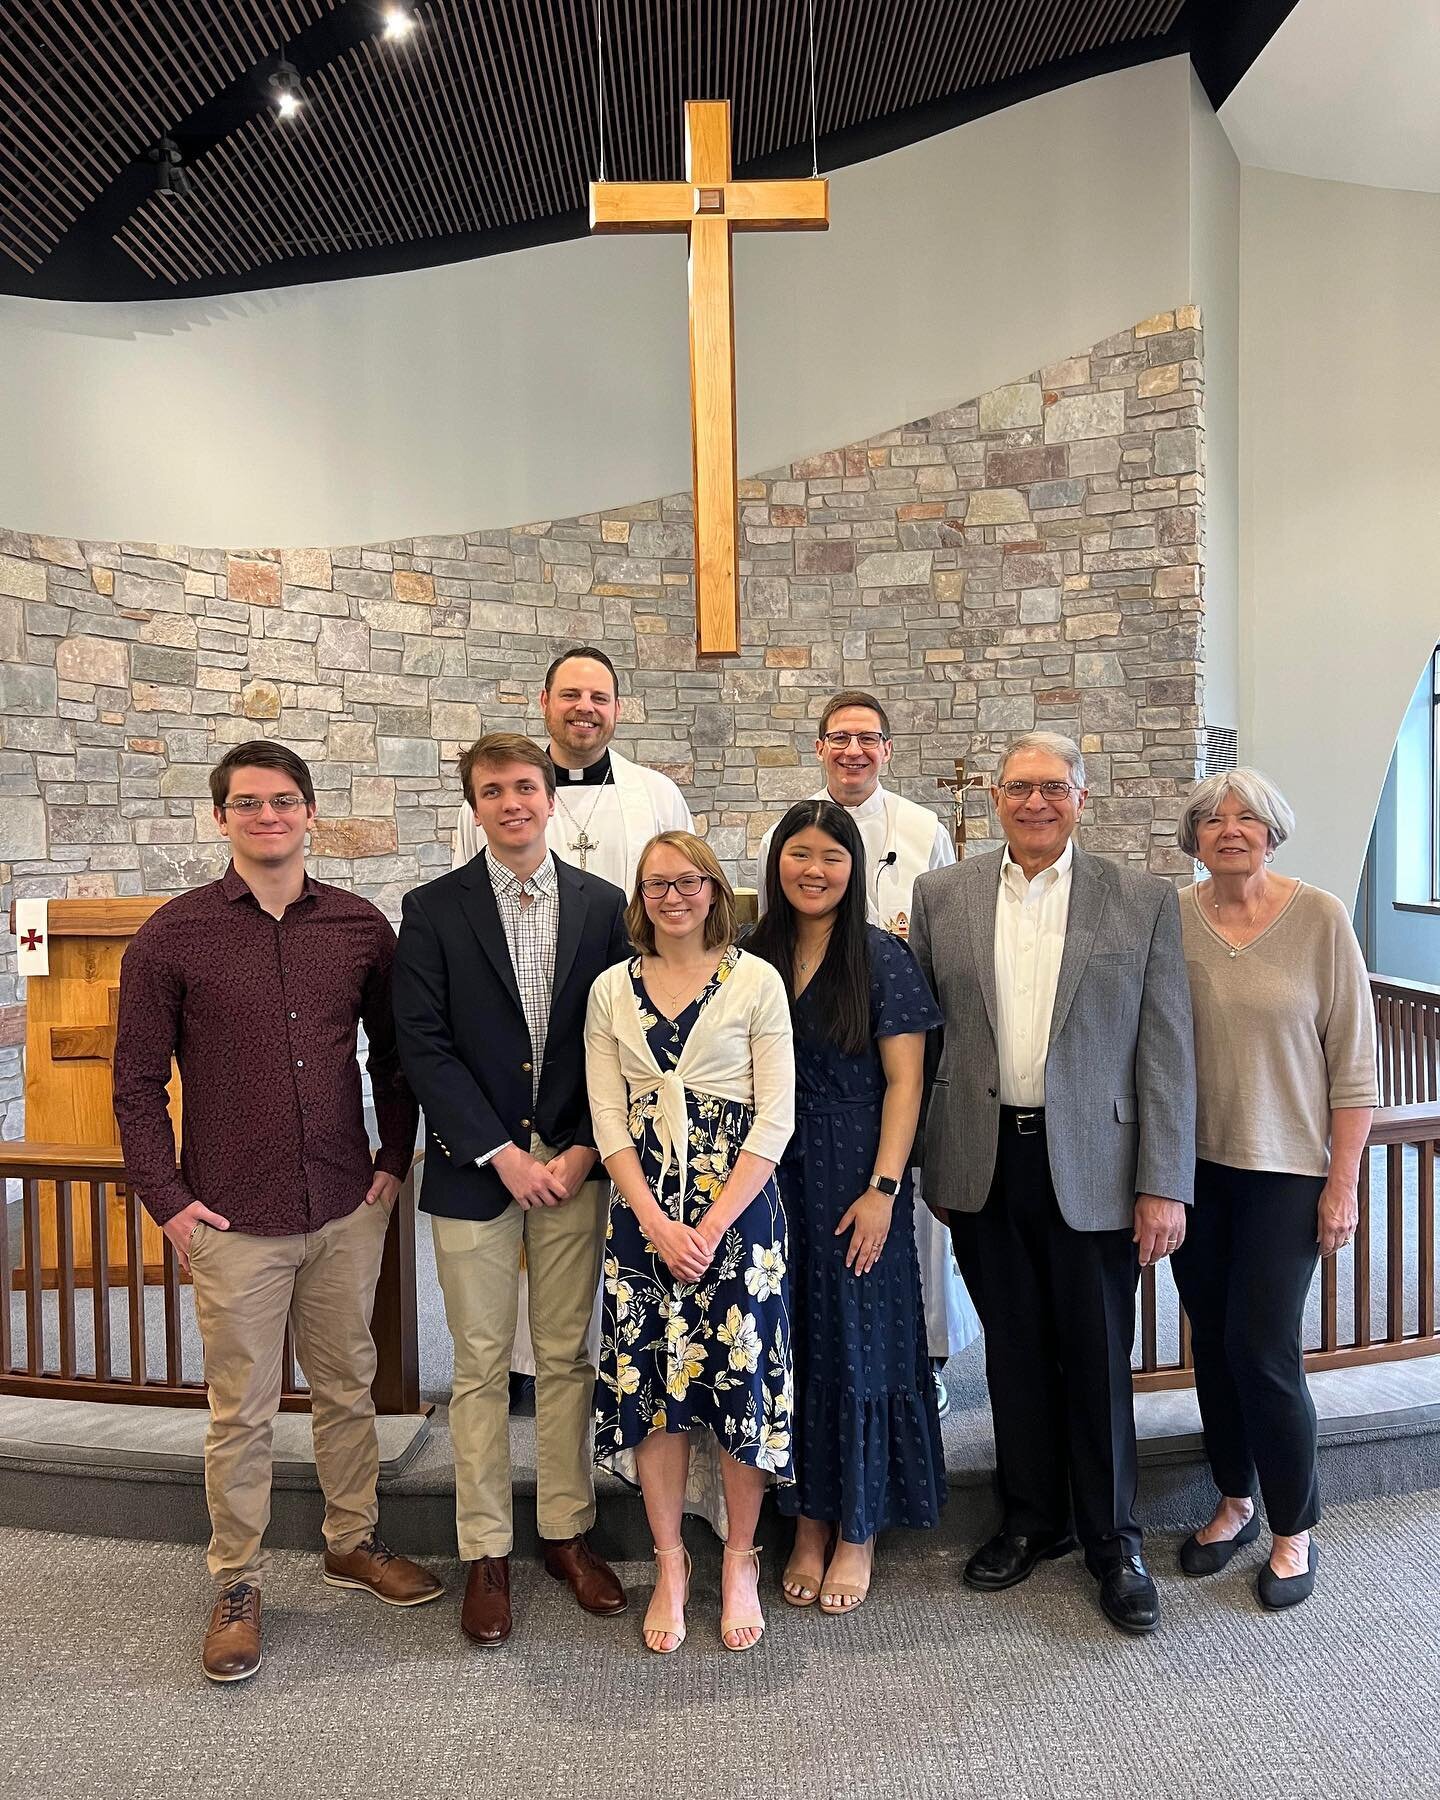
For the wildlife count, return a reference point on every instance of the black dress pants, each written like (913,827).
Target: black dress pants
(1058,1307)
(1244,1272)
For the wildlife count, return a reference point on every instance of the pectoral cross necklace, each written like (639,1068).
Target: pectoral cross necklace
(583,844)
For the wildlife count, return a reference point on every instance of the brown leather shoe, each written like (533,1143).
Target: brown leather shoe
(374,1566)
(485,1614)
(593,1582)
(232,1639)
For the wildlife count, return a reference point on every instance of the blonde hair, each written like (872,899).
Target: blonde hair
(722,921)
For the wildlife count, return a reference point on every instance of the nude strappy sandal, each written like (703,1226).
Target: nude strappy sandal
(668,1628)
(750,1622)
(802,1575)
(846,1590)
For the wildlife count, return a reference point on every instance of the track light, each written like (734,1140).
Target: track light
(284,84)
(398,23)
(170,178)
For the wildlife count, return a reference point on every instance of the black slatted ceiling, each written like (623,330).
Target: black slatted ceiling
(486,118)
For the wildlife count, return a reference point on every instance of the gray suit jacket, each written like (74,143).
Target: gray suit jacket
(1120,1069)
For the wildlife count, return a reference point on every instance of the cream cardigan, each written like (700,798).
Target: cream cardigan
(741,1049)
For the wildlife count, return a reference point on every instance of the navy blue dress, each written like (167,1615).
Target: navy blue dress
(867,1432)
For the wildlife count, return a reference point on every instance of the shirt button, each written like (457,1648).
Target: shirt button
(300,1062)
(294,1015)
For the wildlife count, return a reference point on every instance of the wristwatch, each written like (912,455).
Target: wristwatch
(882,1184)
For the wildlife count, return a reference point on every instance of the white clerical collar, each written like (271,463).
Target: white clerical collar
(872,808)
(1013,876)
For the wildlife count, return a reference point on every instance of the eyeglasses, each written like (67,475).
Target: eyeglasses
(654,887)
(248,804)
(867,740)
(1048,790)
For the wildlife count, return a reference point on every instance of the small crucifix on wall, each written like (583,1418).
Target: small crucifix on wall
(959,784)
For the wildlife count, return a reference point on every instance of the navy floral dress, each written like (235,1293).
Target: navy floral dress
(675,1355)
(867,1446)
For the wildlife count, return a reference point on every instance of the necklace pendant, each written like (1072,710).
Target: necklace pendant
(1233,953)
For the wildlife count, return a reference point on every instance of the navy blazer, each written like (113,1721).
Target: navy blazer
(464,1043)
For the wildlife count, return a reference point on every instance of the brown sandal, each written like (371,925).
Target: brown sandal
(804,1576)
(846,1590)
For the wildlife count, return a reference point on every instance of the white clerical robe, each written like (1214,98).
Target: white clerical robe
(616,821)
(903,839)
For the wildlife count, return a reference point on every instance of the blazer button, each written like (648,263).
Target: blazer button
(525,1069)
(525,1123)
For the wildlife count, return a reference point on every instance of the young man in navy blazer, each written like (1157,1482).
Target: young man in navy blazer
(492,975)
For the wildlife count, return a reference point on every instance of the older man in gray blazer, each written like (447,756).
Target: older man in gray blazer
(1060,1139)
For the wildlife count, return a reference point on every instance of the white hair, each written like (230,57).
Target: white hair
(1053,743)
(1257,793)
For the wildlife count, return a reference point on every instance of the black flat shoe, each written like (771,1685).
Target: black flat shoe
(1009,1557)
(1128,1596)
(1279,1591)
(1209,1559)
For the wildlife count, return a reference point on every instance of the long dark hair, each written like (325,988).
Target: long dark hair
(840,987)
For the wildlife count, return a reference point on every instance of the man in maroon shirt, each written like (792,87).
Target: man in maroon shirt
(254,984)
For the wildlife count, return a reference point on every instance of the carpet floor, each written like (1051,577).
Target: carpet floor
(928,1693)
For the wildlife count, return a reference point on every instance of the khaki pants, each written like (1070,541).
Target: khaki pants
(246,1288)
(476,1262)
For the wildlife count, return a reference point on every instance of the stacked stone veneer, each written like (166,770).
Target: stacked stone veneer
(1030,558)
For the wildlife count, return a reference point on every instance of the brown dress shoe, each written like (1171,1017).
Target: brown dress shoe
(485,1614)
(232,1639)
(374,1566)
(593,1582)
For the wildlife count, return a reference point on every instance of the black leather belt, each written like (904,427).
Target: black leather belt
(1024,1121)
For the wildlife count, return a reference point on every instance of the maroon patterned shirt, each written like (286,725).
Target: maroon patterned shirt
(260,1014)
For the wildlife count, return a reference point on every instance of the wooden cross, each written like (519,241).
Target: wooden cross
(709,206)
(88,1043)
(958,785)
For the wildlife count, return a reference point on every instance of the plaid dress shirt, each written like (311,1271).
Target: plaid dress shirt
(530,937)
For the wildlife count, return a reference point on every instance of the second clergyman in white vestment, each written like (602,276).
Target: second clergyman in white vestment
(902,840)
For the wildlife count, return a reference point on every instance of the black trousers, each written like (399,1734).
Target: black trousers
(1058,1307)
(1244,1272)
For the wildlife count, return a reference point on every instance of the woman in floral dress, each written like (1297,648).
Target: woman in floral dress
(691,1072)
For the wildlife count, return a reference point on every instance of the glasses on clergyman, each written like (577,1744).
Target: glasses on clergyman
(867,740)
(249,804)
(655,887)
(1049,790)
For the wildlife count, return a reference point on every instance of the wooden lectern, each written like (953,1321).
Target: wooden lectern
(70,1018)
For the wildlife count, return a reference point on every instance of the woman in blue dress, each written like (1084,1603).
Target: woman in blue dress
(867,1433)
(691,1073)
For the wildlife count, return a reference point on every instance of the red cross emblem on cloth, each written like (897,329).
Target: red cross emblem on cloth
(32,940)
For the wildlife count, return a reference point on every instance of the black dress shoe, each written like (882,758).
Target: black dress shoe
(1209,1559)
(1009,1557)
(1128,1597)
(1279,1591)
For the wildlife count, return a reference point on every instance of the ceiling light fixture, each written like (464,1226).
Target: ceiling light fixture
(284,84)
(171,178)
(398,23)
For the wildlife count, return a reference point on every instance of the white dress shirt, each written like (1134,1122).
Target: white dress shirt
(1030,921)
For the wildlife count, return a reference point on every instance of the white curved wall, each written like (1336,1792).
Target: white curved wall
(1340,504)
(553,381)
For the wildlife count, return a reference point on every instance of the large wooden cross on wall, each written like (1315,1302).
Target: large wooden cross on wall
(710,206)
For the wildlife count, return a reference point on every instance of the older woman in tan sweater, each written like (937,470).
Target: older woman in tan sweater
(1285,1072)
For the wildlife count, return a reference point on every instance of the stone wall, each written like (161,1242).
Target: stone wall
(1032,557)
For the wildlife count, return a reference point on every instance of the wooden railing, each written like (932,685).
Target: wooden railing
(66,1348)
(1363,1312)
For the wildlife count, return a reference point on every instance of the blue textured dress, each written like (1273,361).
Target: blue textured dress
(867,1432)
(676,1355)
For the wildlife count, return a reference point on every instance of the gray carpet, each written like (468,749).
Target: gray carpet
(929,1692)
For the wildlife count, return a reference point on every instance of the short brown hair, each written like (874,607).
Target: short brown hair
(260,753)
(722,923)
(852,697)
(495,750)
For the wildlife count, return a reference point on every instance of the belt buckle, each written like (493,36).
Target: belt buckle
(1026,1124)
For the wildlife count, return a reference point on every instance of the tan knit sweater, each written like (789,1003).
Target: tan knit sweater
(1284,1033)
